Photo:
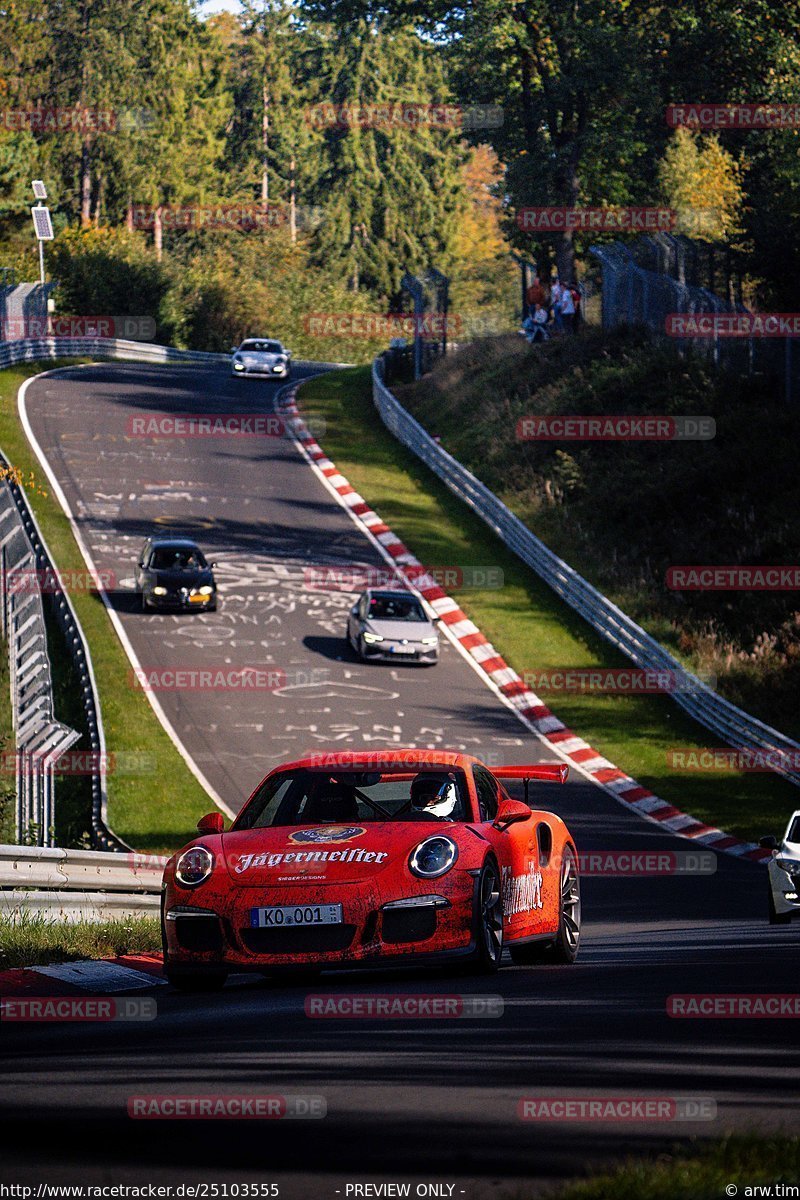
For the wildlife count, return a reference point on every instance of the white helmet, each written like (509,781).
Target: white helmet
(435,795)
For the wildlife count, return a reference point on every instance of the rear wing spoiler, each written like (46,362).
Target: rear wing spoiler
(547,772)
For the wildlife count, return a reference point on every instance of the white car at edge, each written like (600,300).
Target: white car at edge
(784,873)
(261,356)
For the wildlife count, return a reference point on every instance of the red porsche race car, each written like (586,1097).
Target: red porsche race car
(373,859)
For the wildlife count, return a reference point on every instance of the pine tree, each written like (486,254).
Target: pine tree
(390,189)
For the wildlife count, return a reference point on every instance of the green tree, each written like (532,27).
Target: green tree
(272,150)
(703,182)
(391,190)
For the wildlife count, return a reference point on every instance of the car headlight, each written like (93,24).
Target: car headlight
(430,641)
(790,865)
(194,866)
(159,591)
(433,857)
(371,638)
(205,590)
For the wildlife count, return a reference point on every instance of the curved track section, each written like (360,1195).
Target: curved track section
(403,1098)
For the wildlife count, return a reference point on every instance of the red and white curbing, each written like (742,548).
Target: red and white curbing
(527,705)
(106,977)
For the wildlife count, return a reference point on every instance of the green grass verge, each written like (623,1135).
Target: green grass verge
(744,1162)
(36,940)
(156,810)
(527,623)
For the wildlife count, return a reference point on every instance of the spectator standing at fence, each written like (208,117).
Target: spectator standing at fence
(576,300)
(556,292)
(535,294)
(567,307)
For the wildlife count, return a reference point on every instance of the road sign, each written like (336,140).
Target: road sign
(42,224)
(39,190)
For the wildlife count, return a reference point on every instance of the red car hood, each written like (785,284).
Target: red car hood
(325,853)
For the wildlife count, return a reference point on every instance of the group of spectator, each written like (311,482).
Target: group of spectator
(555,309)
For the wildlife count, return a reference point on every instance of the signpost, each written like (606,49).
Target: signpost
(42,224)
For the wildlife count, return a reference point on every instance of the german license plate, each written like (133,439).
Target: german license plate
(295,914)
(403,650)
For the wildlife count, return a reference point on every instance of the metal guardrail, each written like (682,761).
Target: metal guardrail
(118,348)
(76,645)
(39,738)
(727,722)
(78,884)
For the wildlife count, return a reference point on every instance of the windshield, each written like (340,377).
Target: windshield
(181,558)
(263,347)
(395,608)
(794,831)
(308,797)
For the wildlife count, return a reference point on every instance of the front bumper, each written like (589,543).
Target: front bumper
(221,934)
(262,372)
(179,601)
(414,652)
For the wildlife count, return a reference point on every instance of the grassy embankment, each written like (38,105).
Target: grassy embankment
(523,618)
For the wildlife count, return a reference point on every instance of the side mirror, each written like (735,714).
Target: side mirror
(511,812)
(211,823)
(234,349)
(213,566)
(354,611)
(140,564)
(768,843)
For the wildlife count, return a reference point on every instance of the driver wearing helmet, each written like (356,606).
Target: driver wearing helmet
(434,796)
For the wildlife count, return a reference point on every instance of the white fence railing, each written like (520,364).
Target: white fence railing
(78,884)
(727,722)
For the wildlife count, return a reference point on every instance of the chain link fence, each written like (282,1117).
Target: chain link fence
(633,294)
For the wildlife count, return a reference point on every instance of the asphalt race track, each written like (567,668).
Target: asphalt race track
(429,1099)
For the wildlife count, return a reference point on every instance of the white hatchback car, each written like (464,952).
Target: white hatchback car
(784,873)
(393,626)
(261,356)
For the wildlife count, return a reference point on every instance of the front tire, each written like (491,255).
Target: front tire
(564,948)
(487,929)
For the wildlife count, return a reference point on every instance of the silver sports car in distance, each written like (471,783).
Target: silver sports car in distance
(262,356)
(784,873)
(391,627)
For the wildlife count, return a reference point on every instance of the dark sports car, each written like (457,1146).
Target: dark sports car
(172,573)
